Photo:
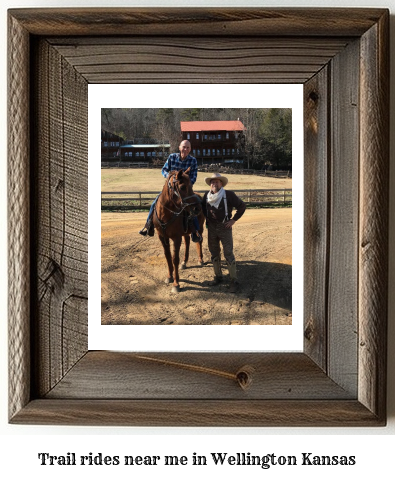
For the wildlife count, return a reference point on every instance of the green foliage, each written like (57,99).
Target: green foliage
(266,143)
(276,138)
(191,114)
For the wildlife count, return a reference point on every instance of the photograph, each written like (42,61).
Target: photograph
(196,216)
(337,60)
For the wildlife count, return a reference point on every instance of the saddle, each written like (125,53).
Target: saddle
(187,222)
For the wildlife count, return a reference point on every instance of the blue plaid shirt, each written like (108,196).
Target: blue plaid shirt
(174,163)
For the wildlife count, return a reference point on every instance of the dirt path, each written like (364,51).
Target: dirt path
(134,270)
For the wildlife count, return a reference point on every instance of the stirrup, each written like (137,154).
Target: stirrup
(148,229)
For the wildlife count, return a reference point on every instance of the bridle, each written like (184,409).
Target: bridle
(174,190)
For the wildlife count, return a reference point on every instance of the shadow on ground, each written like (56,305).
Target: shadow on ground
(264,296)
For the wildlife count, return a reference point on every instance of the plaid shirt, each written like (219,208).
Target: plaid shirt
(174,163)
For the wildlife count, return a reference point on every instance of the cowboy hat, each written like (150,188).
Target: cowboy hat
(223,180)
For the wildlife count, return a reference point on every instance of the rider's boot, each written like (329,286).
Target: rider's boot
(148,229)
(196,237)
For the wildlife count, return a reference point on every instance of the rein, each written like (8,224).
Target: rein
(184,205)
(172,188)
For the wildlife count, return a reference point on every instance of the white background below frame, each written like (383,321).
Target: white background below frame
(220,338)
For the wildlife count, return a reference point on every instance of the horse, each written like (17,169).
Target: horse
(173,215)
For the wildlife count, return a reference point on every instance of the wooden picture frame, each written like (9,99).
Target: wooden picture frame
(342,58)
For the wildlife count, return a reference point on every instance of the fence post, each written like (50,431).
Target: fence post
(284,197)
(140,199)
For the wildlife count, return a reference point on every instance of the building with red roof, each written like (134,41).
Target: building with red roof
(215,141)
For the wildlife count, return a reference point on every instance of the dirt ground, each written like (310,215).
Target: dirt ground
(134,270)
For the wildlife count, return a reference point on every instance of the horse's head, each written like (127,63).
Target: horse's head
(179,185)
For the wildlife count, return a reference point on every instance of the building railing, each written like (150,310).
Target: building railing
(126,164)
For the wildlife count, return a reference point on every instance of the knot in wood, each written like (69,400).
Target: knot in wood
(308,332)
(54,277)
(313,96)
(244,376)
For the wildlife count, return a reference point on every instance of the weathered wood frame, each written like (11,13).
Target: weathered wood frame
(341,56)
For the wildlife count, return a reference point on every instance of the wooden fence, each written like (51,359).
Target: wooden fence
(224,170)
(143,199)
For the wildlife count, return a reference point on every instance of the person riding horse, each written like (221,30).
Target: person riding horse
(176,206)
(175,162)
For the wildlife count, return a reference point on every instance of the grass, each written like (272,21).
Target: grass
(123,180)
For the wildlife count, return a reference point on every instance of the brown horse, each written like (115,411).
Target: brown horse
(173,219)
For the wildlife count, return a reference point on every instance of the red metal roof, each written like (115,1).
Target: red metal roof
(212,126)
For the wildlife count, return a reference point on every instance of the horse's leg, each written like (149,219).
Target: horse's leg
(199,245)
(199,250)
(176,262)
(166,249)
(187,241)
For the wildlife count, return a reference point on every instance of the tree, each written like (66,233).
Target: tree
(267,140)
(252,118)
(276,134)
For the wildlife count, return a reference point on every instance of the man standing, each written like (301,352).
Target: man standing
(218,205)
(175,162)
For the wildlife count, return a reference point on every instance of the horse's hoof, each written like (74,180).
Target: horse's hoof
(183,265)
(200,263)
(169,280)
(175,289)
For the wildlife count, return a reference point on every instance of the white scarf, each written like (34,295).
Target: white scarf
(215,199)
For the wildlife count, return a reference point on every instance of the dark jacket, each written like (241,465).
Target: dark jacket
(218,215)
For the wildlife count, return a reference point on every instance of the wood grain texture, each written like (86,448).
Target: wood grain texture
(61,199)
(316,214)
(186,376)
(373,236)
(18,212)
(198,21)
(202,413)
(209,60)
(313,388)
(343,225)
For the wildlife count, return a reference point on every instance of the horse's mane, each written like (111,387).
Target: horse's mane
(172,173)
